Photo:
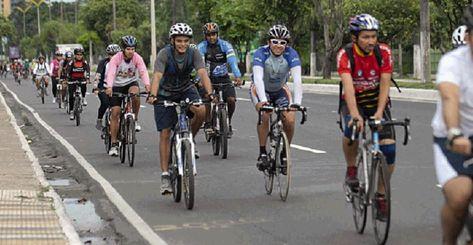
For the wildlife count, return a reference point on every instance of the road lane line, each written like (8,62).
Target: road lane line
(140,225)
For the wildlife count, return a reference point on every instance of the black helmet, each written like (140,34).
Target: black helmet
(78,50)
(468,16)
(128,41)
(68,54)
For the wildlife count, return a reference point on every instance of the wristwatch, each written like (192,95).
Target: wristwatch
(452,134)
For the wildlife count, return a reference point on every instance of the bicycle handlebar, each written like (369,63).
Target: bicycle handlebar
(167,103)
(302,109)
(121,95)
(377,123)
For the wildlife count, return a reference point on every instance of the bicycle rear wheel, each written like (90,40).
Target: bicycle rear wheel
(269,173)
(359,199)
(380,176)
(283,168)
(131,140)
(188,177)
(223,120)
(176,179)
(122,138)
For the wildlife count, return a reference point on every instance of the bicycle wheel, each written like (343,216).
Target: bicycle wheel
(223,120)
(359,199)
(380,176)
(59,99)
(122,139)
(188,176)
(131,140)
(176,179)
(42,93)
(283,168)
(269,173)
(106,135)
(77,111)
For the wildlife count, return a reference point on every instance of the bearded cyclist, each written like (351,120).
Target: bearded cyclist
(55,66)
(41,69)
(99,85)
(272,65)
(218,54)
(124,70)
(77,70)
(172,81)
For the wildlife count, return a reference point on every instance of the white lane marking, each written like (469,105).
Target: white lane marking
(64,220)
(303,148)
(299,147)
(140,225)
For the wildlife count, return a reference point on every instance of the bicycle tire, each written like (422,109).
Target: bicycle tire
(106,134)
(122,140)
(223,120)
(188,176)
(269,173)
(131,134)
(42,94)
(380,169)
(359,200)
(284,180)
(176,179)
(77,111)
(59,99)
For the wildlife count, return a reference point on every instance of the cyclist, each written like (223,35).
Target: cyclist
(123,72)
(460,36)
(366,94)
(99,85)
(453,132)
(172,81)
(272,65)
(77,70)
(68,55)
(16,68)
(41,69)
(55,73)
(217,54)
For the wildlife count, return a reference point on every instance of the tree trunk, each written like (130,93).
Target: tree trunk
(313,57)
(425,40)
(401,72)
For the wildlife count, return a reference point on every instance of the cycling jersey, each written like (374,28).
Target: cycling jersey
(101,69)
(121,72)
(77,70)
(271,73)
(41,69)
(366,73)
(54,67)
(217,56)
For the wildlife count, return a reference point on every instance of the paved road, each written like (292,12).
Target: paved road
(231,206)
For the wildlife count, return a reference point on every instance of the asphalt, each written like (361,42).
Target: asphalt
(231,206)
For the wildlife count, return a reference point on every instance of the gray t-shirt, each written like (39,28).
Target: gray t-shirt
(161,60)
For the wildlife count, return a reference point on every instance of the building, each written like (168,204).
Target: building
(5,7)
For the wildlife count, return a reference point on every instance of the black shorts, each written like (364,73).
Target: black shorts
(166,117)
(228,90)
(117,101)
(386,133)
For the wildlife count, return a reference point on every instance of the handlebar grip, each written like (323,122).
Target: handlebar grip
(407,135)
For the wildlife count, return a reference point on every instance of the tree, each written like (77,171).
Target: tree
(446,15)
(7,29)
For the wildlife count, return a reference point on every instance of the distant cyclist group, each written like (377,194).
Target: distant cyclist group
(192,88)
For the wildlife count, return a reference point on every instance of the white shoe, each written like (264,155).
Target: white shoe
(113,151)
(84,102)
(137,127)
(71,117)
(54,100)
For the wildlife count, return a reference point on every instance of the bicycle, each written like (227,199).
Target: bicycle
(77,107)
(16,76)
(369,175)
(126,130)
(278,148)
(59,98)
(182,163)
(42,88)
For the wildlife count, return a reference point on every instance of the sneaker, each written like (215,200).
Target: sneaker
(208,128)
(84,101)
(166,184)
(381,207)
(71,116)
(196,152)
(113,150)
(54,100)
(262,163)
(137,126)
(351,179)
(98,125)
(230,132)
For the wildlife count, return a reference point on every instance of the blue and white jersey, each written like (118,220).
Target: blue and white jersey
(276,68)
(217,56)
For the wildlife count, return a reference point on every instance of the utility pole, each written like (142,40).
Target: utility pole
(425,40)
(114,9)
(153,35)
(313,57)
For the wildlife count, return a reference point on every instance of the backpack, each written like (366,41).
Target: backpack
(349,50)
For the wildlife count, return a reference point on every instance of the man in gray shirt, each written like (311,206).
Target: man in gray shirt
(172,82)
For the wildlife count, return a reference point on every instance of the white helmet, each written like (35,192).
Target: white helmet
(192,45)
(458,36)
(180,29)
(279,32)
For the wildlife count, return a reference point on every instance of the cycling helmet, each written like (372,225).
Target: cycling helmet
(180,29)
(128,41)
(78,50)
(458,36)
(279,32)
(113,49)
(58,53)
(363,22)
(192,45)
(210,27)
(68,54)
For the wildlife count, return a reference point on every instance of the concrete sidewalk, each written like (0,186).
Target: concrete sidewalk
(30,211)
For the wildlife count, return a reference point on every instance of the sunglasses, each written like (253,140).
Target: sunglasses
(278,42)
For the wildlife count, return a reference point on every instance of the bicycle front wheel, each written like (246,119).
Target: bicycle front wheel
(283,166)
(381,212)
(77,111)
(42,94)
(176,179)
(122,134)
(270,171)
(223,119)
(131,140)
(188,178)
(359,197)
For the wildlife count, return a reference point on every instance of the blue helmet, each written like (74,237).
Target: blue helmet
(363,22)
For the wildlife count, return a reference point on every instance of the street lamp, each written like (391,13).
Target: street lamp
(153,35)
(37,3)
(23,11)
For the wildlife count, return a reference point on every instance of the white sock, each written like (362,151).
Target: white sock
(165,173)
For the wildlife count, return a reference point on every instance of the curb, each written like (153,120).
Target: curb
(64,220)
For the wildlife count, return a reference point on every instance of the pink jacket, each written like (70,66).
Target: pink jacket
(121,73)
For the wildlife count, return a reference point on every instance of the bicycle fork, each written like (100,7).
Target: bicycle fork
(180,164)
